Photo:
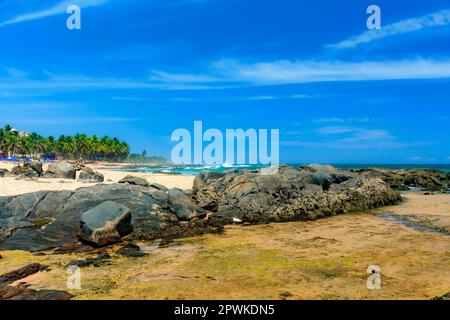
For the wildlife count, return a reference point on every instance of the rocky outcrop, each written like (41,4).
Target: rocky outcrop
(106,213)
(291,194)
(136,181)
(402,180)
(182,205)
(106,223)
(3,172)
(28,170)
(90,176)
(44,220)
(22,291)
(61,170)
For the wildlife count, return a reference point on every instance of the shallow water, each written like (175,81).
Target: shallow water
(414,222)
(196,169)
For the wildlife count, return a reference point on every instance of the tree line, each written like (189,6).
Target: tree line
(79,146)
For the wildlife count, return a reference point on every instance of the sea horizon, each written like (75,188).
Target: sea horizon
(197,169)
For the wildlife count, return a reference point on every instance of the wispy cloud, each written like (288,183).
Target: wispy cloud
(342,120)
(435,19)
(231,73)
(59,8)
(345,137)
(61,121)
(219,99)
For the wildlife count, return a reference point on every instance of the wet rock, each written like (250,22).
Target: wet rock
(135,181)
(22,292)
(21,273)
(106,223)
(100,261)
(445,297)
(90,176)
(182,205)
(61,170)
(131,250)
(73,248)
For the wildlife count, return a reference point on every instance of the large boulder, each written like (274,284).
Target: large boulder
(47,219)
(289,195)
(89,175)
(62,170)
(136,181)
(106,223)
(182,205)
(28,169)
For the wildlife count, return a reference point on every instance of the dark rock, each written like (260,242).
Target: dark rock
(22,292)
(3,172)
(151,213)
(21,273)
(49,220)
(135,181)
(131,250)
(28,170)
(305,194)
(106,223)
(101,260)
(89,175)
(61,170)
(321,169)
(158,186)
(445,297)
(182,205)
(73,248)
(403,180)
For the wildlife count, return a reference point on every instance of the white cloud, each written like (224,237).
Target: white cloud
(233,73)
(440,18)
(62,121)
(59,8)
(344,138)
(342,120)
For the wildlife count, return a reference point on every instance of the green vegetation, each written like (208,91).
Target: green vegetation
(80,146)
(144,158)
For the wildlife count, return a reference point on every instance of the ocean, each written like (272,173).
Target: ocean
(195,170)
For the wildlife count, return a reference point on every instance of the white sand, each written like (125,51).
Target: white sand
(10,186)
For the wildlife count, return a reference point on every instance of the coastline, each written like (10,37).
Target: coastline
(317,259)
(10,186)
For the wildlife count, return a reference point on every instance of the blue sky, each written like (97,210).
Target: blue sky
(138,69)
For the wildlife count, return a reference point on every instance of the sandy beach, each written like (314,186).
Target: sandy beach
(323,259)
(10,186)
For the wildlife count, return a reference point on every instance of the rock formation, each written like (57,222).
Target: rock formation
(106,213)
